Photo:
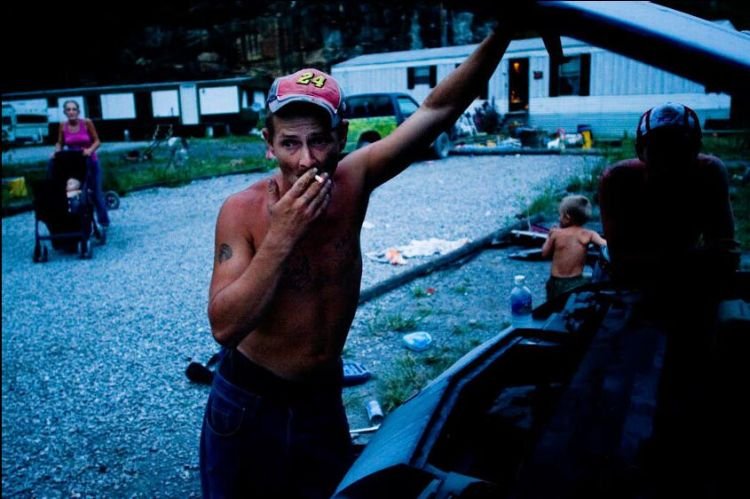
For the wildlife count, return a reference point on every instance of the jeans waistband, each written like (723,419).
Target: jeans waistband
(243,373)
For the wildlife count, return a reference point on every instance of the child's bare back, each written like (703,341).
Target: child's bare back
(568,247)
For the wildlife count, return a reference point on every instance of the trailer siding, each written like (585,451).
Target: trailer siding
(136,110)
(620,88)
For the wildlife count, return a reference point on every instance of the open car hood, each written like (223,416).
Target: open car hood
(702,51)
(504,420)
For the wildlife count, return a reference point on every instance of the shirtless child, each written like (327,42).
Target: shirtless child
(567,245)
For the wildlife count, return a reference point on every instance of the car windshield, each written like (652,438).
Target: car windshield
(407,106)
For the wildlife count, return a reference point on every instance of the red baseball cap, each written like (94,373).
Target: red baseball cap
(308,85)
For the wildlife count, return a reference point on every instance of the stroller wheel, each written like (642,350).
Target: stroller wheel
(86,249)
(40,253)
(112,200)
(100,234)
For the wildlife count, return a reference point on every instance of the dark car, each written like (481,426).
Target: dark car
(375,115)
(580,404)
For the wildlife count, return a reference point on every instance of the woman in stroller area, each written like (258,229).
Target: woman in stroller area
(79,134)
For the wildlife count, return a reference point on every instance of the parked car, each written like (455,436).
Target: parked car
(374,116)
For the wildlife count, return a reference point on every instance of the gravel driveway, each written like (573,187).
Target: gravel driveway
(95,401)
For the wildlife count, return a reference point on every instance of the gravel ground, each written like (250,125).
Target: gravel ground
(95,401)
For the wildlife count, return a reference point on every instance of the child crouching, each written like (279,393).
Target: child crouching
(568,245)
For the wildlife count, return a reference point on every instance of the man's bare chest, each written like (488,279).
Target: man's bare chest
(323,260)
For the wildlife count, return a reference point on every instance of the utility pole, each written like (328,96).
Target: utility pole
(443,26)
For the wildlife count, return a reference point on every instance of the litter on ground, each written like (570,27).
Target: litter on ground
(416,248)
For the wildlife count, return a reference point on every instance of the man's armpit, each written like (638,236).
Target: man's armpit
(224,253)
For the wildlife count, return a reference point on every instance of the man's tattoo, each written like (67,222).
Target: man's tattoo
(225,252)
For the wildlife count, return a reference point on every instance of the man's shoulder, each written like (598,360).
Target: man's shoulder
(626,169)
(248,197)
(710,161)
(624,166)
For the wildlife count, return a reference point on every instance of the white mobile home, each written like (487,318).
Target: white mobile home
(592,86)
(25,121)
(190,106)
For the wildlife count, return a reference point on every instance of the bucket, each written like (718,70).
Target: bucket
(588,137)
(16,187)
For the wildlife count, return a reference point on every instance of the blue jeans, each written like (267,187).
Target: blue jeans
(271,437)
(96,182)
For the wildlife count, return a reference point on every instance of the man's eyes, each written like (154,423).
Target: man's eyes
(320,141)
(314,142)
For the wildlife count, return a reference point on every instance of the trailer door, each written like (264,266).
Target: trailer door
(518,84)
(189,104)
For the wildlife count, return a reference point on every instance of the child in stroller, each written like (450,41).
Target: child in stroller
(64,203)
(74,194)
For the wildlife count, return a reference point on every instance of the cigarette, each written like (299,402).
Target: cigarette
(319,179)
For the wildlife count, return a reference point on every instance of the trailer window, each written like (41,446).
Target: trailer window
(165,103)
(219,100)
(421,75)
(118,106)
(571,76)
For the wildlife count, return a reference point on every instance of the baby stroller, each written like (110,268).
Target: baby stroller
(70,221)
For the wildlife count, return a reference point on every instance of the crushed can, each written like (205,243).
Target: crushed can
(374,412)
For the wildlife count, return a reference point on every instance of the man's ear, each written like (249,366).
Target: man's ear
(342,131)
(269,143)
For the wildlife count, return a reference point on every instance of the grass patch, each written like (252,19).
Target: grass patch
(729,147)
(741,206)
(544,203)
(207,158)
(462,288)
(412,373)
(406,378)
(420,292)
(472,325)
(398,322)
(586,184)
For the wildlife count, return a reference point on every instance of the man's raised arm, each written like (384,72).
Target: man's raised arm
(442,107)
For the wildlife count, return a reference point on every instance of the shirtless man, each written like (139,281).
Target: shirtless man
(568,245)
(286,282)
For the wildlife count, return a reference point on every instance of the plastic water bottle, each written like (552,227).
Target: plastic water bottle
(520,303)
